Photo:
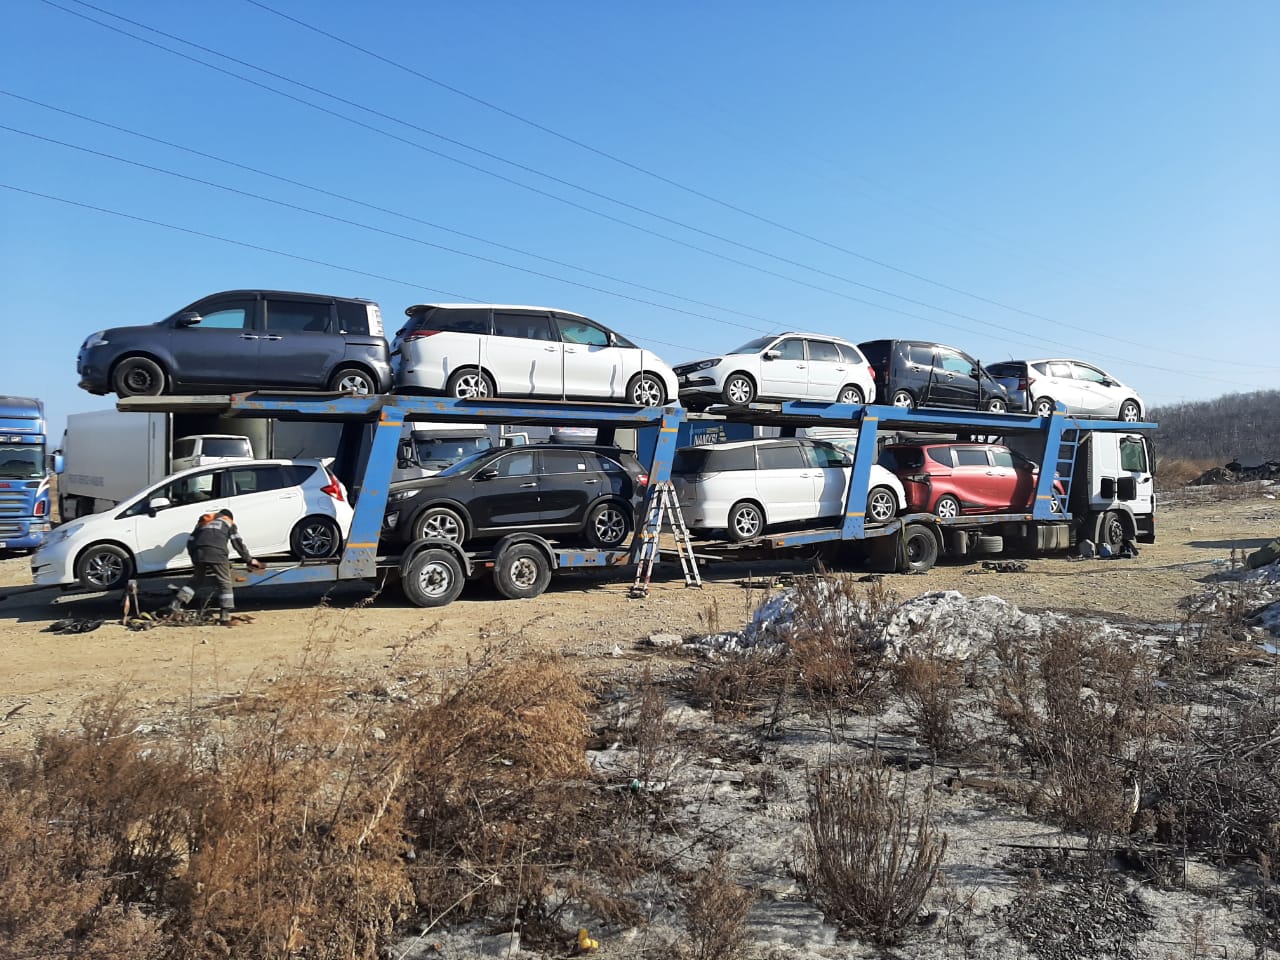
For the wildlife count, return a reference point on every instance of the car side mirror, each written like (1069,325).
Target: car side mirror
(156,504)
(188,318)
(490,474)
(1108,383)
(772,354)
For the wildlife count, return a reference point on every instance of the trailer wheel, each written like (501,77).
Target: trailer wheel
(989,543)
(432,578)
(521,572)
(315,538)
(138,377)
(104,566)
(920,549)
(882,505)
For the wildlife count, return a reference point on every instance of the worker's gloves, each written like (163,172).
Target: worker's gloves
(257,566)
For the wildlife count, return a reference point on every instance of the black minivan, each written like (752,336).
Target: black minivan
(915,373)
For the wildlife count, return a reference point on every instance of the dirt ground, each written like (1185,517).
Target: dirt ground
(46,676)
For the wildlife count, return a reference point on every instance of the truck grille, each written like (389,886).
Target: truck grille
(10,530)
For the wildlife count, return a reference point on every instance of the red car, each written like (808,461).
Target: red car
(950,479)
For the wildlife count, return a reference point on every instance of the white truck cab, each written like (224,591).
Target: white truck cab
(204,449)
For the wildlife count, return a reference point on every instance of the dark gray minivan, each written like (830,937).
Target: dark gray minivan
(916,373)
(244,340)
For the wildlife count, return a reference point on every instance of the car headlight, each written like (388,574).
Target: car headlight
(63,532)
(396,496)
(708,364)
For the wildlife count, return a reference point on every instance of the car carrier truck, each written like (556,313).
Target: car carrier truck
(26,472)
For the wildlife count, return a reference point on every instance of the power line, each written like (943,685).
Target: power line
(204,235)
(921,303)
(381,209)
(693,191)
(365,226)
(399,236)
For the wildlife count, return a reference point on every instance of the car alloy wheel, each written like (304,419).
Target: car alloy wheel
(648,391)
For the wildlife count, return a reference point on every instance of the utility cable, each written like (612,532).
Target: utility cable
(693,191)
(569,184)
(204,235)
(380,209)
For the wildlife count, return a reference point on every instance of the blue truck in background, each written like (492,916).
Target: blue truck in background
(26,471)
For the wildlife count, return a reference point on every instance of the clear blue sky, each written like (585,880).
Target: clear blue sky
(1089,179)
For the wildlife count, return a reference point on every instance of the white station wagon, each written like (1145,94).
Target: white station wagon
(491,350)
(294,507)
(747,486)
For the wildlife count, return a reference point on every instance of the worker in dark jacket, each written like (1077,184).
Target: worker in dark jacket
(210,546)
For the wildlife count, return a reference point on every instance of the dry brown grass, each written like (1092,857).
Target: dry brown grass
(1173,473)
(716,907)
(1080,715)
(870,856)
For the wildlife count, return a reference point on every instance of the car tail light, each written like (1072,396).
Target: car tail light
(871,371)
(419,334)
(333,488)
(642,479)
(42,507)
(919,478)
(1024,383)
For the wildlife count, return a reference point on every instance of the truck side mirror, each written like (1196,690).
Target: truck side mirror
(56,462)
(405,453)
(188,318)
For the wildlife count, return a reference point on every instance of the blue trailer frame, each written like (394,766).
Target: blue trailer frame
(360,558)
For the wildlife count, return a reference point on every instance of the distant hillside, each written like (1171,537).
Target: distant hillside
(1243,426)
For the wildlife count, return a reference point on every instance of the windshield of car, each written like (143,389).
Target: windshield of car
(225,447)
(443,451)
(755,346)
(464,465)
(21,461)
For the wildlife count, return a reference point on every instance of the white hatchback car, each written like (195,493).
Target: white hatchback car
(292,507)
(1086,391)
(780,366)
(748,486)
(491,350)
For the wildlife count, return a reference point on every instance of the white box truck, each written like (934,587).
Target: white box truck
(110,455)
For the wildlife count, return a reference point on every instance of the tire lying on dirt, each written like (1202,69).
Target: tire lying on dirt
(432,578)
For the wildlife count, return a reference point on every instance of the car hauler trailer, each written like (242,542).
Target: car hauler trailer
(432,572)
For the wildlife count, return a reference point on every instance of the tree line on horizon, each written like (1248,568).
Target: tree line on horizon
(1243,427)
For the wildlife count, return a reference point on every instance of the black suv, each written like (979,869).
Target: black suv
(553,489)
(914,373)
(242,340)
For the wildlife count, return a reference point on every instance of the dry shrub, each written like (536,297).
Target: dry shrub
(496,765)
(650,732)
(716,909)
(837,661)
(1173,473)
(870,856)
(1222,790)
(1079,715)
(734,685)
(930,687)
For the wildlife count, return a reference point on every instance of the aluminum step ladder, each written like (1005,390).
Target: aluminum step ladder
(1064,468)
(663,509)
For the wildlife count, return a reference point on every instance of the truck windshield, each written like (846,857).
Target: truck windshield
(21,461)
(443,451)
